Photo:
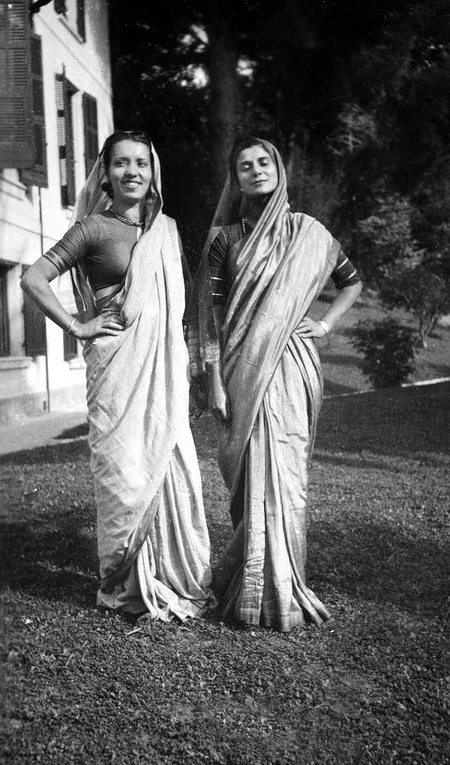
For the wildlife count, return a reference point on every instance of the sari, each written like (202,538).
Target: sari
(153,542)
(274,383)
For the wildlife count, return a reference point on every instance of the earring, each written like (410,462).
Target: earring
(107,186)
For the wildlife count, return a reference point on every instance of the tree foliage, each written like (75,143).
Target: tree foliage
(357,102)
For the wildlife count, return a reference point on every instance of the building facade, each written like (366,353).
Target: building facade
(55,112)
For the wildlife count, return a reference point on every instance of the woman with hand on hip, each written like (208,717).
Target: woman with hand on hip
(251,337)
(127,270)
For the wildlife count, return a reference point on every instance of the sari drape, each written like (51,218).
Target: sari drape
(153,541)
(274,383)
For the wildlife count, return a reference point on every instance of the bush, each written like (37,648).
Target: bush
(388,350)
(420,291)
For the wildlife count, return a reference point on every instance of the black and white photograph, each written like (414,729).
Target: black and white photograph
(225,382)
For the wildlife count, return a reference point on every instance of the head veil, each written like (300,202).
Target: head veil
(94,199)
(203,339)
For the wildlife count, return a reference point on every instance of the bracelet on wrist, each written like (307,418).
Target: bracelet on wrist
(324,326)
(69,328)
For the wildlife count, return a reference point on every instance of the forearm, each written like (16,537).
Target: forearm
(38,288)
(214,372)
(218,402)
(36,283)
(341,304)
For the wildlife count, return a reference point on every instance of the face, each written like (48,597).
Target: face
(130,170)
(256,171)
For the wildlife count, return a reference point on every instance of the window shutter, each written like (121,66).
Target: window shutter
(37,176)
(4,318)
(90,132)
(81,22)
(16,145)
(64,91)
(34,323)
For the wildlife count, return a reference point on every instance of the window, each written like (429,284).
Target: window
(34,322)
(16,145)
(90,132)
(4,322)
(81,21)
(64,93)
(74,13)
(37,175)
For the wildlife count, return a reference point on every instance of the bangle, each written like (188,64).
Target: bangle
(324,326)
(69,328)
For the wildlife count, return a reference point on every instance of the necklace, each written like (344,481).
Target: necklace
(127,220)
(244,226)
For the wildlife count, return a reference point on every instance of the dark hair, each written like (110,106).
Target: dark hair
(241,143)
(122,135)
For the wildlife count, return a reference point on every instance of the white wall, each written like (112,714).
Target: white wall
(24,382)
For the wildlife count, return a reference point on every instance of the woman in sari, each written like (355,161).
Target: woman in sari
(127,272)
(250,334)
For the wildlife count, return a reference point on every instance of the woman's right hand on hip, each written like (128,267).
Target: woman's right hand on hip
(105,324)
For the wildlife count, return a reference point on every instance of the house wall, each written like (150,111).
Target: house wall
(33,219)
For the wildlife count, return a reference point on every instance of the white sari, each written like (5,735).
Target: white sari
(153,541)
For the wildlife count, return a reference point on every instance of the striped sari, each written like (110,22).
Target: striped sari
(274,383)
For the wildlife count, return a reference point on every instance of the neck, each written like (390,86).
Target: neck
(254,209)
(134,212)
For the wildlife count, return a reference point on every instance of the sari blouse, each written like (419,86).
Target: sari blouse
(221,267)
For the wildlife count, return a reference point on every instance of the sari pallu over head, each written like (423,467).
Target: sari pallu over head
(137,381)
(279,271)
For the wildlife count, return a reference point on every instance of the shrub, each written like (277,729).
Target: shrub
(420,291)
(388,350)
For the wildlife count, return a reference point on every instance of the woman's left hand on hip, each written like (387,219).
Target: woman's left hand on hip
(310,328)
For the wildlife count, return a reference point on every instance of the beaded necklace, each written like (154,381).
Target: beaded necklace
(244,226)
(127,220)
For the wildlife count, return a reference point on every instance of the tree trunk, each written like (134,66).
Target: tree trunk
(223,90)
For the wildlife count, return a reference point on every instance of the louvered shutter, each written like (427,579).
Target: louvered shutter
(4,317)
(90,132)
(64,91)
(37,176)
(81,21)
(16,144)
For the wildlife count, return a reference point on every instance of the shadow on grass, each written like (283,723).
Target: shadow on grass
(52,565)
(335,389)
(47,528)
(77,432)
(380,563)
(58,453)
(406,422)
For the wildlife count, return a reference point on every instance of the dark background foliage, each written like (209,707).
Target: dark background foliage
(356,98)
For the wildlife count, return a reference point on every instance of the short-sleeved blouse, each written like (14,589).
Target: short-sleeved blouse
(104,241)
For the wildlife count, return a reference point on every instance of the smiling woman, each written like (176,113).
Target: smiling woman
(129,171)
(126,257)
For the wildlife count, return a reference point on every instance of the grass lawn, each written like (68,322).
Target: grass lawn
(342,364)
(372,686)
